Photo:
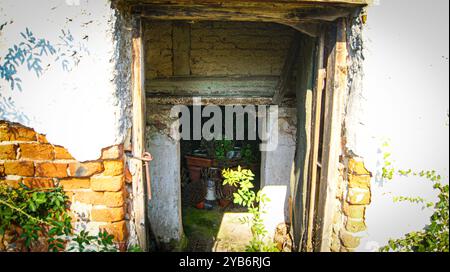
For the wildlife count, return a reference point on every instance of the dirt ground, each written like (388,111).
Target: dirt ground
(216,230)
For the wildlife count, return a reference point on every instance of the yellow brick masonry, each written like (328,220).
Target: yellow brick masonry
(27,157)
(354,205)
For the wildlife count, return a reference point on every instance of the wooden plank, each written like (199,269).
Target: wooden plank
(299,177)
(310,29)
(306,14)
(253,3)
(335,89)
(286,72)
(252,86)
(188,100)
(138,110)
(181,40)
(315,135)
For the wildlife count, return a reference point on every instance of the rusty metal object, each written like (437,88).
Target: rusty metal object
(146,158)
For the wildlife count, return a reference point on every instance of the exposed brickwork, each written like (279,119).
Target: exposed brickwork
(10,183)
(85,169)
(107,183)
(50,169)
(62,154)
(42,139)
(8,152)
(118,229)
(36,151)
(220,48)
(110,199)
(35,183)
(113,168)
(108,214)
(237,48)
(353,196)
(158,38)
(16,132)
(75,183)
(19,168)
(112,152)
(27,157)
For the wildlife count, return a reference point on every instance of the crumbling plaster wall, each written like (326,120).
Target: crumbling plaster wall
(276,168)
(74,90)
(397,92)
(164,209)
(77,91)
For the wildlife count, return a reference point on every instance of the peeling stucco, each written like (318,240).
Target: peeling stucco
(83,111)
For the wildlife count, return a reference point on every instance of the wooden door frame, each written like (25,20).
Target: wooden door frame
(138,132)
(330,79)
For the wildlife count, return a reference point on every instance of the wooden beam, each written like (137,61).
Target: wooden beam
(283,15)
(253,3)
(138,129)
(242,86)
(223,101)
(315,139)
(299,174)
(334,97)
(286,72)
(310,29)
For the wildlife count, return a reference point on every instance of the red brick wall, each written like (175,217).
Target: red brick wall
(27,157)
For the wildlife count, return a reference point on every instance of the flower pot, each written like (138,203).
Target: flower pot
(200,205)
(195,173)
(195,166)
(198,161)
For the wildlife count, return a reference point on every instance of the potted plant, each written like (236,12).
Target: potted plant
(197,162)
(223,153)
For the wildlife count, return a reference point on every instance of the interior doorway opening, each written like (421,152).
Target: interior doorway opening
(210,218)
(224,64)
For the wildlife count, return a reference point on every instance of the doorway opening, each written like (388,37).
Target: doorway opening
(210,218)
(225,64)
(188,62)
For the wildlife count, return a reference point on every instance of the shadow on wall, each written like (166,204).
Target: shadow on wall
(30,51)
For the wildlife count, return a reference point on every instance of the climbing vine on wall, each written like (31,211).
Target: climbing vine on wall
(435,236)
(28,215)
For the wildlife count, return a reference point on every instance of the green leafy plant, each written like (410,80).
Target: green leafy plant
(135,248)
(247,155)
(435,236)
(245,196)
(222,147)
(83,242)
(37,212)
(43,212)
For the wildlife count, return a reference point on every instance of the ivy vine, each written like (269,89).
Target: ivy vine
(44,213)
(435,236)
